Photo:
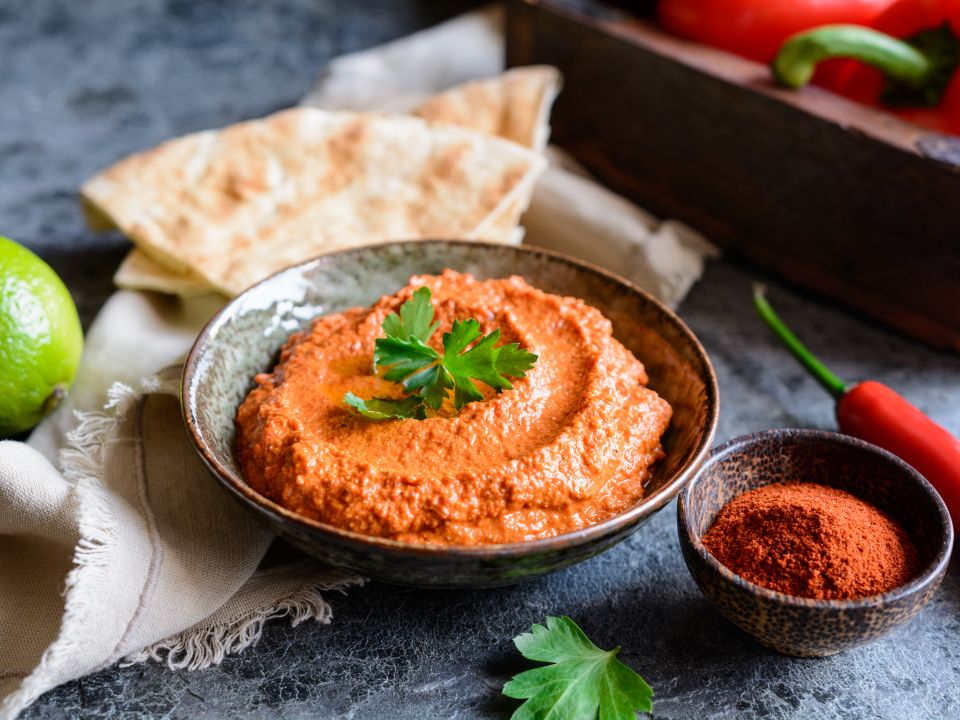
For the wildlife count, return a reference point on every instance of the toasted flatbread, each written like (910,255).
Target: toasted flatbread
(139,271)
(514,105)
(234,205)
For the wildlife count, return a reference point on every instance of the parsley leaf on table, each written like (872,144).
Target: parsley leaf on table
(427,374)
(581,680)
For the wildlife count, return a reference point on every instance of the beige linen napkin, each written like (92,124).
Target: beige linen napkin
(128,550)
(115,543)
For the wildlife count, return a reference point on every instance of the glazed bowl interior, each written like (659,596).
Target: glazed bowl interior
(245,337)
(805,626)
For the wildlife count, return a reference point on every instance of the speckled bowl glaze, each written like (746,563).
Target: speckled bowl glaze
(245,337)
(803,626)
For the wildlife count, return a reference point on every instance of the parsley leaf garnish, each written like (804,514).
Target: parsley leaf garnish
(386,409)
(581,680)
(415,320)
(429,375)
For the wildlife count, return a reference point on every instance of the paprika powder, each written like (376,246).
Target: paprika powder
(812,540)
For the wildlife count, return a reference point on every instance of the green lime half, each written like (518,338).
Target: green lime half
(41,338)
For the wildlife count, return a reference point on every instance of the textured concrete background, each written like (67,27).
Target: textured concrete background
(83,83)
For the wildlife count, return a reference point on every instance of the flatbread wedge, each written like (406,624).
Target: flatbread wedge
(139,271)
(234,205)
(514,105)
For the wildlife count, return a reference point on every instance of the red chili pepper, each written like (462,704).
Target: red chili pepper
(907,63)
(756,28)
(873,412)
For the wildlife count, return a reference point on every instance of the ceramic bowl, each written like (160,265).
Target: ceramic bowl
(245,337)
(802,626)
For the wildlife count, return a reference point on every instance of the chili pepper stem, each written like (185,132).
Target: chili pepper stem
(830,382)
(798,57)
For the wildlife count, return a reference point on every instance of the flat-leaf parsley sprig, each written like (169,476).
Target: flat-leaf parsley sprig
(580,680)
(427,375)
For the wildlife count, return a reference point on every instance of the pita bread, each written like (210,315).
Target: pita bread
(514,105)
(235,205)
(139,271)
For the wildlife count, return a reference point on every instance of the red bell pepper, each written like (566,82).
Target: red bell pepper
(907,64)
(756,28)
(873,412)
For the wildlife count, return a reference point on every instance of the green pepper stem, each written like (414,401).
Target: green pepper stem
(831,383)
(798,56)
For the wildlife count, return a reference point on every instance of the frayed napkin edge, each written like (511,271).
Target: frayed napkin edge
(201,647)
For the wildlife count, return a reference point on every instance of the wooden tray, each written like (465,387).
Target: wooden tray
(842,199)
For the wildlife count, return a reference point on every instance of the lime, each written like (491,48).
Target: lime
(41,336)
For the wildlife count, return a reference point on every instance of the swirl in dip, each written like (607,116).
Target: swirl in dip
(569,446)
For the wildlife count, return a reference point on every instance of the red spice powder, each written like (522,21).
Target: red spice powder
(813,541)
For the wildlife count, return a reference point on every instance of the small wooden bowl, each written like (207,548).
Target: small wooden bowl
(802,626)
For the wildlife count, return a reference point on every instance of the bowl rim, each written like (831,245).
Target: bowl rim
(929,574)
(610,526)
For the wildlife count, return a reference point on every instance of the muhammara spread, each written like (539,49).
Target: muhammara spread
(570,445)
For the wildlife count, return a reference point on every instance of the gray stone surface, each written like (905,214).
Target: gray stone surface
(84,83)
